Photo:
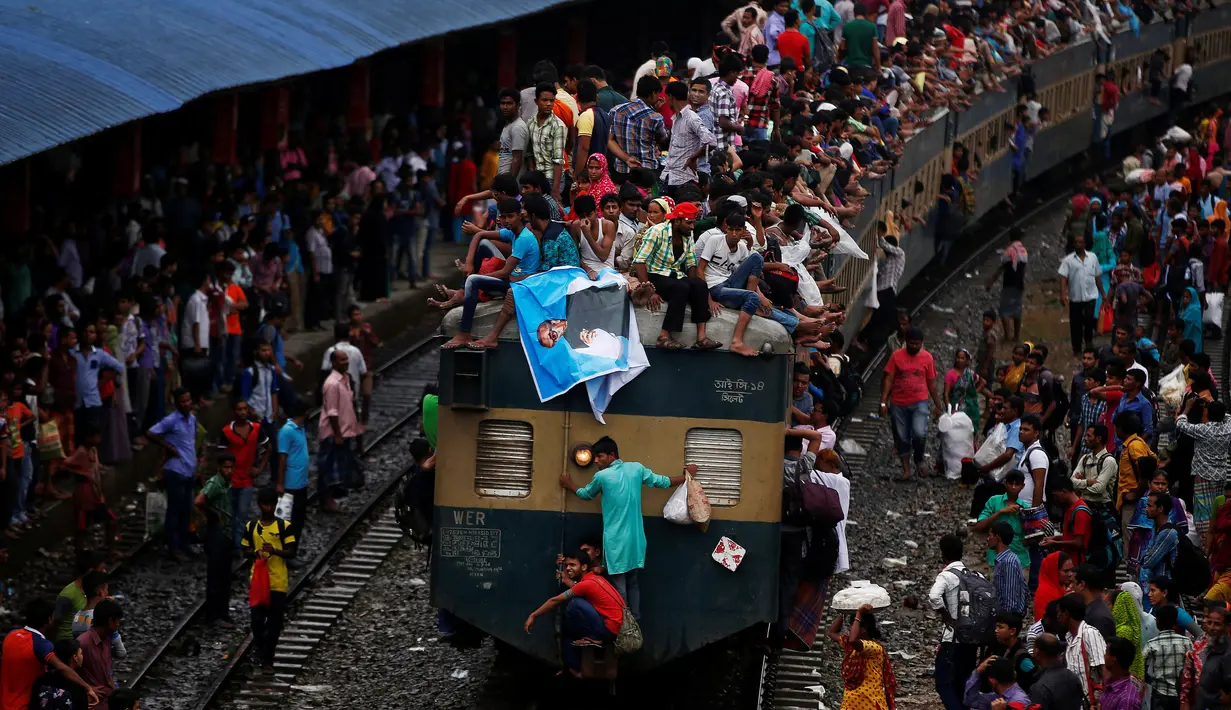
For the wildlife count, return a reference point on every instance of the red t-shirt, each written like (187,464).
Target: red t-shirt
(1076,526)
(1113,401)
(911,375)
(792,43)
(244,451)
(603,597)
(25,658)
(1111,95)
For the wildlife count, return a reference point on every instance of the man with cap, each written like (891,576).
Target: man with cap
(673,278)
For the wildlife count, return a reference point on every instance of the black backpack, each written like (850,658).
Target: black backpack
(1191,572)
(1061,399)
(976,612)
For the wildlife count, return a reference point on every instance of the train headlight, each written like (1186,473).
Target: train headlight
(582,455)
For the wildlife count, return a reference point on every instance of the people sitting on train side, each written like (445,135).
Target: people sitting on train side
(592,546)
(666,265)
(620,484)
(593,612)
(522,262)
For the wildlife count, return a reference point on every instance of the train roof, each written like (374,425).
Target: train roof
(760,331)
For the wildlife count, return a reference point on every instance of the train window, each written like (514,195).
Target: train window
(504,460)
(719,456)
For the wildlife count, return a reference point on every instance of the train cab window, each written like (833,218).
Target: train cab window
(504,458)
(719,456)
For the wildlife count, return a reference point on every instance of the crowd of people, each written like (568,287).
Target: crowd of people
(721,181)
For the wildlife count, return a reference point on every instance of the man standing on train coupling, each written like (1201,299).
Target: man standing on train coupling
(620,483)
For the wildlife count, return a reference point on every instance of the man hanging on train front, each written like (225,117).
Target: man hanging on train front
(620,483)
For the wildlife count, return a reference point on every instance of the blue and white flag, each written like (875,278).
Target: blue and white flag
(576,330)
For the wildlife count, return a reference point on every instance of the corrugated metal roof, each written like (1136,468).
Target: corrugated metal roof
(70,68)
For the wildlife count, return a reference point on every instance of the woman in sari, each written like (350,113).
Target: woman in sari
(1190,313)
(1149,627)
(1220,250)
(600,181)
(1128,626)
(1055,575)
(962,387)
(1017,369)
(868,682)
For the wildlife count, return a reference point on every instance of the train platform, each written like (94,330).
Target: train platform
(406,308)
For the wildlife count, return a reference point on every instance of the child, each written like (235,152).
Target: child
(985,354)
(19,419)
(214,501)
(1146,348)
(89,503)
(269,543)
(95,585)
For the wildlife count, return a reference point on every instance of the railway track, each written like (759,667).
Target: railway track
(191,664)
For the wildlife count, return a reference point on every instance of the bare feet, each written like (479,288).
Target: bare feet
(739,348)
(449,298)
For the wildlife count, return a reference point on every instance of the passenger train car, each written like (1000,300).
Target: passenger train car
(501,516)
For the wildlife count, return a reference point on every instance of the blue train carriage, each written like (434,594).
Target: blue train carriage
(502,517)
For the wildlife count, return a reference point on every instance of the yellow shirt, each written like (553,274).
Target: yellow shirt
(1134,447)
(277,535)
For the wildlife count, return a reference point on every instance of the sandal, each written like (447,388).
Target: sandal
(706,344)
(669,344)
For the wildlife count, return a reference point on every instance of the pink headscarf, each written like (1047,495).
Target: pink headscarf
(603,186)
(1016,251)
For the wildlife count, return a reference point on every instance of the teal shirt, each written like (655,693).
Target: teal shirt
(623,531)
(1018,546)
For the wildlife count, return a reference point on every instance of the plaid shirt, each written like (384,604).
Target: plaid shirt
(547,143)
(637,129)
(1091,412)
(656,253)
(722,102)
(1164,658)
(758,106)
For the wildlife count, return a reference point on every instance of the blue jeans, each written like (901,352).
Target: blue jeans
(230,359)
(405,246)
(179,510)
(954,664)
(757,134)
(581,621)
(629,587)
(430,228)
(23,484)
(486,250)
(241,509)
(887,125)
(910,427)
(333,466)
(733,292)
(476,283)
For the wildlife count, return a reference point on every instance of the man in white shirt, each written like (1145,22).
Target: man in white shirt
(1084,655)
(732,272)
(356,369)
(194,342)
(954,661)
(1080,289)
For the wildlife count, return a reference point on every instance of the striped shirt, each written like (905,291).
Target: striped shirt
(657,255)
(889,270)
(1010,583)
(547,140)
(1091,412)
(1164,658)
(637,129)
(688,135)
(722,102)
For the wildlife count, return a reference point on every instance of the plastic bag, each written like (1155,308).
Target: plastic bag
(49,445)
(155,512)
(1171,387)
(286,504)
(1213,309)
(1106,319)
(957,441)
(676,509)
(993,447)
(698,504)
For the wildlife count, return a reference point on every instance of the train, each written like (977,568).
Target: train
(501,516)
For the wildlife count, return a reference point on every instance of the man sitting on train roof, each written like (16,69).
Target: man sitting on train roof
(556,248)
(620,483)
(523,262)
(666,265)
(593,612)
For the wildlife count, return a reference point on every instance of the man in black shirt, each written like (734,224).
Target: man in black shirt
(1090,585)
(1055,687)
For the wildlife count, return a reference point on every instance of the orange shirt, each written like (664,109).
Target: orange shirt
(17,413)
(236,294)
